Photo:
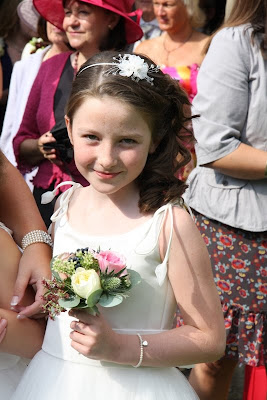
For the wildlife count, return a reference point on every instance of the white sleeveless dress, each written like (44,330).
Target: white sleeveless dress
(11,366)
(58,372)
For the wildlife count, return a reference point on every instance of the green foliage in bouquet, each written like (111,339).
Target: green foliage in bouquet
(86,278)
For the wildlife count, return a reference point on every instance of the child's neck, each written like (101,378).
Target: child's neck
(125,200)
(94,213)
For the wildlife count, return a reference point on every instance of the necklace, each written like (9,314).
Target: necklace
(177,47)
(75,64)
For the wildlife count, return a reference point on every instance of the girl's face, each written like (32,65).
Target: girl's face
(111,141)
(86,25)
(170,14)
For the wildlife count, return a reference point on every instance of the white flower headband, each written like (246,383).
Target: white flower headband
(128,65)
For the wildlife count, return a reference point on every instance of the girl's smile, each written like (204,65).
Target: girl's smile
(106,175)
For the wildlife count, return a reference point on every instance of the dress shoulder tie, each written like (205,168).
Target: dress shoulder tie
(144,247)
(47,197)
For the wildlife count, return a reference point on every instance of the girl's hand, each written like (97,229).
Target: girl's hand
(45,145)
(93,337)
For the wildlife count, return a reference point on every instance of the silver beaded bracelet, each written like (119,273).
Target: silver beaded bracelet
(143,343)
(36,236)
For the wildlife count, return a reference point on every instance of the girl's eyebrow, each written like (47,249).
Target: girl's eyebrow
(120,134)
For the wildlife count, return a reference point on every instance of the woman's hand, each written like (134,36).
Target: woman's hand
(45,145)
(93,337)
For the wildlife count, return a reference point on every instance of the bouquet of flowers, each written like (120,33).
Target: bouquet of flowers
(86,278)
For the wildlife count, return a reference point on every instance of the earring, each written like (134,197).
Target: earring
(110,27)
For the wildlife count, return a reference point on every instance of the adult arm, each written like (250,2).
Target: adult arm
(22,337)
(19,212)
(245,162)
(223,102)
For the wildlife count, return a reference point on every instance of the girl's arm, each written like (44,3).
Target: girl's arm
(201,339)
(19,212)
(22,337)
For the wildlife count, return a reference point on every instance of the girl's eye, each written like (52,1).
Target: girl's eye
(92,137)
(128,141)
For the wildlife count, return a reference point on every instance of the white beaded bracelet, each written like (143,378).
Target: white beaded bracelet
(36,236)
(143,343)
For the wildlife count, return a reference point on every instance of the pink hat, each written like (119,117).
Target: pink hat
(53,11)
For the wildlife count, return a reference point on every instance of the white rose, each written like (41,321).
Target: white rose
(85,282)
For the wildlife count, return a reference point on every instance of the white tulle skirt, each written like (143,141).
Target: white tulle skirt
(49,377)
(11,371)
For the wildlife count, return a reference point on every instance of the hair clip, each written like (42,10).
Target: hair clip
(129,65)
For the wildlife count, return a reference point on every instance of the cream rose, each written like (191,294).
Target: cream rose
(85,282)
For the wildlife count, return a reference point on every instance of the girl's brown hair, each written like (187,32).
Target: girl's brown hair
(245,12)
(164,104)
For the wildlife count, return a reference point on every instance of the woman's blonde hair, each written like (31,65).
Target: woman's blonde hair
(195,13)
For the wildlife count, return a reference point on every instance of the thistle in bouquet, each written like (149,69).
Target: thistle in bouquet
(85,279)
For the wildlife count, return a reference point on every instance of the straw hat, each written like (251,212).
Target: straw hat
(53,11)
(28,14)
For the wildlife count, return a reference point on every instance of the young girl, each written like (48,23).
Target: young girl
(124,117)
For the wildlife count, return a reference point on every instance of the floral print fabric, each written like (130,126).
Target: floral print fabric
(239,263)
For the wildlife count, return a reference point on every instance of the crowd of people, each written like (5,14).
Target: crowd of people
(139,128)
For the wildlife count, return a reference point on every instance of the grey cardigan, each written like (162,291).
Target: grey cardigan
(232,103)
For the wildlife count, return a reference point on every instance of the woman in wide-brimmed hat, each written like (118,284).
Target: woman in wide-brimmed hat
(91,26)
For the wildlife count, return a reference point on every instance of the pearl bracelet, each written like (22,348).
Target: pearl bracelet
(36,236)
(143,343)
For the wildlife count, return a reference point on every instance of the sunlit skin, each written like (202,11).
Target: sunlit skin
(180,43)
(111,142)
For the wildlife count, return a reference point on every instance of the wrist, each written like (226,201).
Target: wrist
(36,236)
(130,350)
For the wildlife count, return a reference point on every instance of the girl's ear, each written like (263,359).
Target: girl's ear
(68,125)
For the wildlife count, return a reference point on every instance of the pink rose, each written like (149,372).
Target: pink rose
(111,261)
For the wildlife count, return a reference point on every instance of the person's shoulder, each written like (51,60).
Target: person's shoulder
(31,59)
(234,39)
(181,227)
(200,37)
(182,220)
(148,47)
(58,58)
(233,33)
(53,65)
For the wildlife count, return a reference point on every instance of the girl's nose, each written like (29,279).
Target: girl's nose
(107,157)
